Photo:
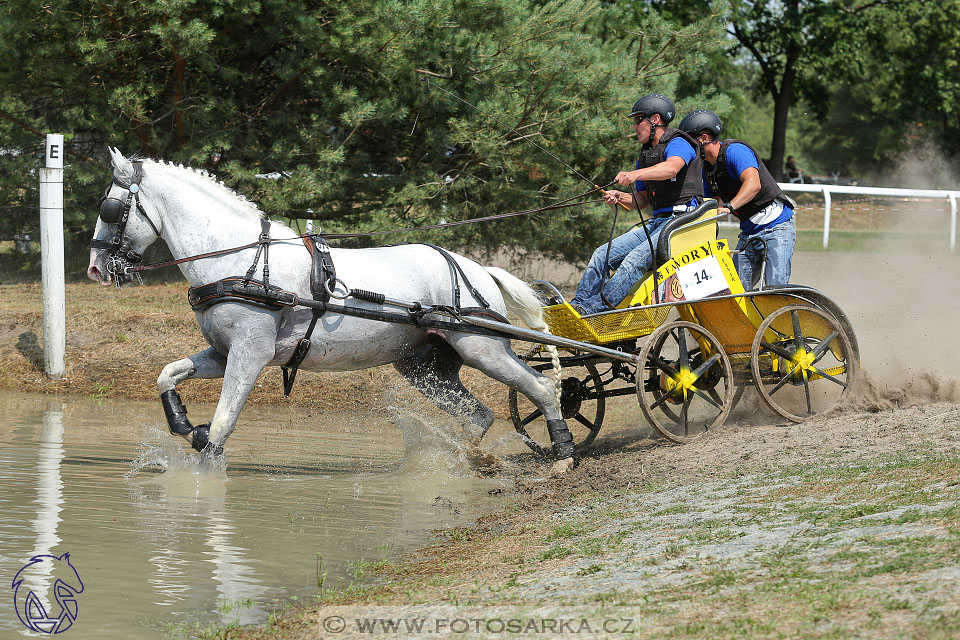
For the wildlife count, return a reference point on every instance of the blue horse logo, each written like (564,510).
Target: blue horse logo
(66,586)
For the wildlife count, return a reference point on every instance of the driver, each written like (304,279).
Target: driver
(734,174)
(668,179)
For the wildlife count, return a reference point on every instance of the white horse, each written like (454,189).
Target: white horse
(194,214)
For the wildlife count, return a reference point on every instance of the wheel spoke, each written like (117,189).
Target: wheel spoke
(683,414)
(822,347)
(582,420)
(806,390)
(827,376)
(660,400)
(784,380)
(708,399)
(530,418)
(684,360)
(797,332)
(667,368)
(783,353)
(706,365)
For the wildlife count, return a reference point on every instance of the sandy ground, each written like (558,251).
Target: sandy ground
(843,526)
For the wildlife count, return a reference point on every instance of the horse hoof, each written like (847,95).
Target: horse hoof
(201,437)
(561,466)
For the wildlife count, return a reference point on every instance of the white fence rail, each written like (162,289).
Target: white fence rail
(828,189)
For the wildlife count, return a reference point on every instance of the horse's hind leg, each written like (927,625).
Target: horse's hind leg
(494,357)
(206,364)
(434,369)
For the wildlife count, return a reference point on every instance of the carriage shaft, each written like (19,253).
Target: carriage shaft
(548,338)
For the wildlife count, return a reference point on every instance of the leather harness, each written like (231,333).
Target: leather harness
(323,276)
(261,294)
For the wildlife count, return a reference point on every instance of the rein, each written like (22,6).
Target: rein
(563,204)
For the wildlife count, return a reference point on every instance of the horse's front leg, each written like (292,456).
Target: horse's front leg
(244,364)
(206,364)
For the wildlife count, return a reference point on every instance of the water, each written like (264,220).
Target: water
(161,543)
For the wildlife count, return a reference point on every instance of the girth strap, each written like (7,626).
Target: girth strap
(322,271)
(250,291)
(262,294)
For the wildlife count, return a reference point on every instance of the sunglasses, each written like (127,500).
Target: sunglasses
(639,119)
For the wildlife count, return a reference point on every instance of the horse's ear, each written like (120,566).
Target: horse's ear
(121,164)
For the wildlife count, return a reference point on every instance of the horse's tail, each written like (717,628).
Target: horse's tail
(520,299)
(523,303)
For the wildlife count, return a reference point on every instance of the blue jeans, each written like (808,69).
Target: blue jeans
(629,255)
(780,240)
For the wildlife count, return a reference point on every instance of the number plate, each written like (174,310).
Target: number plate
(702,278)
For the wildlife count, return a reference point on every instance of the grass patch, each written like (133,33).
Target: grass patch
(555,552)
(589,571)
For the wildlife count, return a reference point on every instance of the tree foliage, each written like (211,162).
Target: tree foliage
(906,92)
(867,71)
(332,97)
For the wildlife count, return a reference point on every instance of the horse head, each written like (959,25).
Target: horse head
(124,227)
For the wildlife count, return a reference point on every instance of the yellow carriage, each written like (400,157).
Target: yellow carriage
(693,341)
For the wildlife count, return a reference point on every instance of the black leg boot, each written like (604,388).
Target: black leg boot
(562,440)
(176,413)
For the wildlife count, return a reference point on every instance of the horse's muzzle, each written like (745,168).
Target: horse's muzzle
(97,271)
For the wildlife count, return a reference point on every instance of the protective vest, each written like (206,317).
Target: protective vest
(687,184)
(727,186)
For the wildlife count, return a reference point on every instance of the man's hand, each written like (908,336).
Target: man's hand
(614,198)
(625,178)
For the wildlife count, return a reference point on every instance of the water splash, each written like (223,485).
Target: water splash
(157,448)
(437,444)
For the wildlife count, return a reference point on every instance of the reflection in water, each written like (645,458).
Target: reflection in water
(49,502)
(236,581)
(159,539)
(188,492)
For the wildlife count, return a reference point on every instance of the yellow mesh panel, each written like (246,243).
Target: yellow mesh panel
(564,321)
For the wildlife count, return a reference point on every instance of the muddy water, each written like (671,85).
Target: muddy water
(160,543)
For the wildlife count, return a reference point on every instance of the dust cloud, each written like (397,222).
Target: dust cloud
(922,166)
(904,309)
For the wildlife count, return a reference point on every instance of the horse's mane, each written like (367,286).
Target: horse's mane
(207,179)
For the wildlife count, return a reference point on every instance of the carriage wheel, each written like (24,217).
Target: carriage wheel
(802,362)
(673,412)
(581,402)
(685,384)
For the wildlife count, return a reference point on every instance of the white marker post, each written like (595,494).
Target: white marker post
(51,254)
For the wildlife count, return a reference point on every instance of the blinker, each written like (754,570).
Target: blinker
(111,210)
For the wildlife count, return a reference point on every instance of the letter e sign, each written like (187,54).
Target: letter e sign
(54,158)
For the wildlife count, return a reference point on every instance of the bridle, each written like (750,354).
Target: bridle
(117,211)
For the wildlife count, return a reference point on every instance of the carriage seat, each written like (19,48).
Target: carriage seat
(687,239)
(682,241)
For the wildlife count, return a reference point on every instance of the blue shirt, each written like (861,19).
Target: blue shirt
(740,158)
(676,148)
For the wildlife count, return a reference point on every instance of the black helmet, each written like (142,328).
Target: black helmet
(701,120)
(655,103)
